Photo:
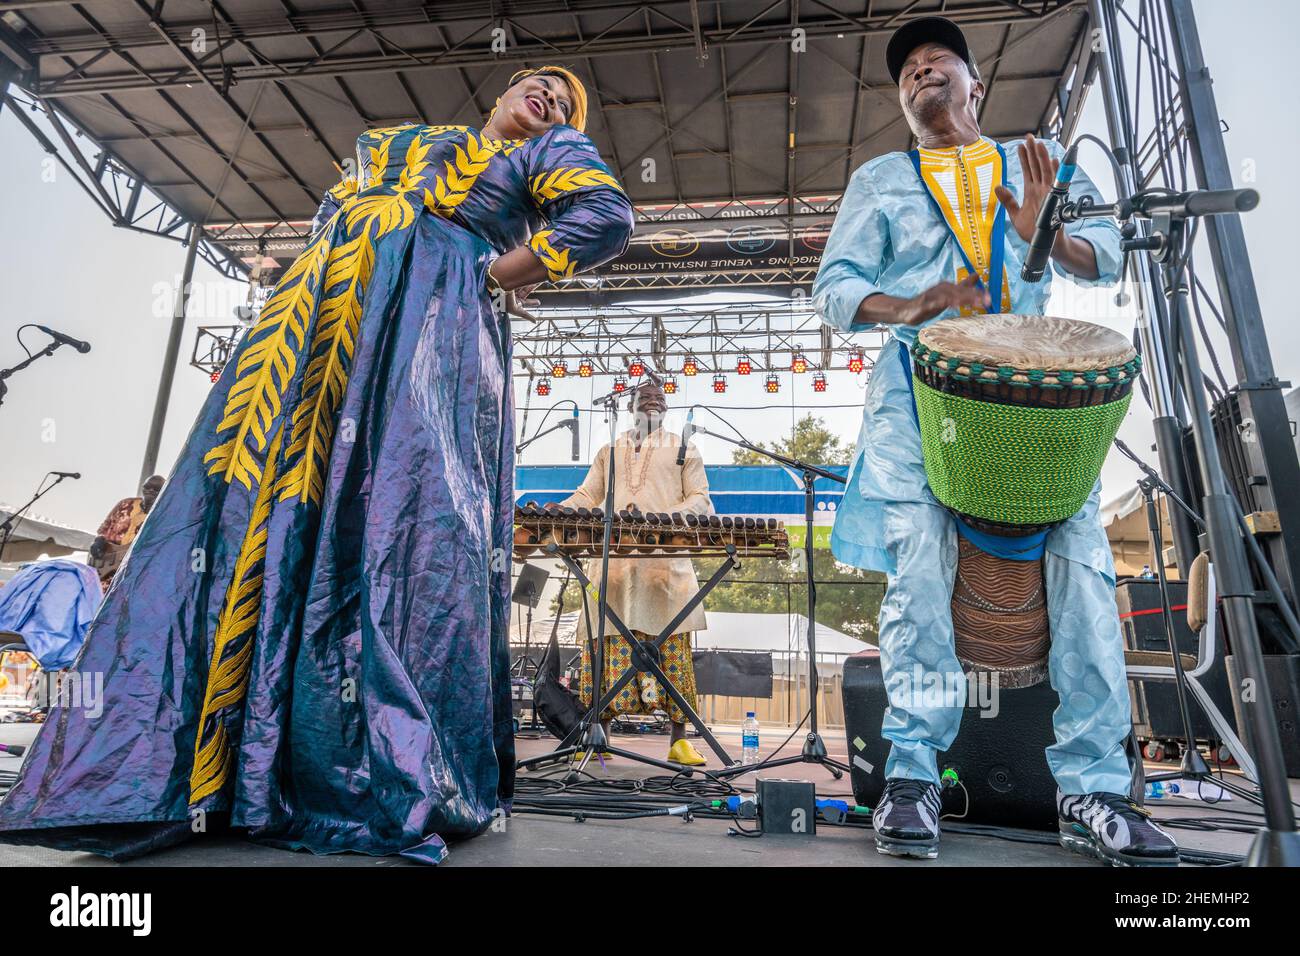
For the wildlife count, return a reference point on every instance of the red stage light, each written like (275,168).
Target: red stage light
(670,385)
(743,365)
(637,367)
(620,384)
(690,366)
(772,384)
(585,368)
(216,377)
(719,383)
(543,386)
(559,368)
(819,382)
(798,363)
(856,361)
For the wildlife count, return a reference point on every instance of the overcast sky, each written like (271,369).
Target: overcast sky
(63,265)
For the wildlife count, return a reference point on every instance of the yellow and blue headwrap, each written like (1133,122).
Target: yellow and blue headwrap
(579,118)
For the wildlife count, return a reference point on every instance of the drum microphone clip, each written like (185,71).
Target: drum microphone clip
(1049,220)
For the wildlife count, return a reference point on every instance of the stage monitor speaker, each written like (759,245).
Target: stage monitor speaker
(1000,759)
(1282,671)
(528,589)
(1155,703)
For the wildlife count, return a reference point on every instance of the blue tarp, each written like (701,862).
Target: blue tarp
(735,489)
(51,603)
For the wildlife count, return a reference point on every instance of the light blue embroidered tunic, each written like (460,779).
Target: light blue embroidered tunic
(889,238)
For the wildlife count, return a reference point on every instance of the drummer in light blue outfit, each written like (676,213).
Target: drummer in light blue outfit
(893,260)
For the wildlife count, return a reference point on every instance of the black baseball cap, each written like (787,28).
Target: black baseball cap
(924,30)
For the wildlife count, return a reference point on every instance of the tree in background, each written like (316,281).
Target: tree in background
(810,442)
(848,599)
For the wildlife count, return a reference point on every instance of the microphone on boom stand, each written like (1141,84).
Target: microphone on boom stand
(62,339)
(687,431)
(1049,223)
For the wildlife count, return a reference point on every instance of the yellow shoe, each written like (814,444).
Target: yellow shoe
(684,753)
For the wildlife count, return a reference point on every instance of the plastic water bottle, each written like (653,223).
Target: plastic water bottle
(749,739)
(1160,789)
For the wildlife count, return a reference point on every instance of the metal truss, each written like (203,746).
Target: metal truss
(213,346)
(1168,135)
(658,32)
(782,279)
(737,210)
(112,185)
(717,336)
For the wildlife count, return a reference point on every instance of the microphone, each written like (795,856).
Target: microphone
(13,750)
(62,339)
(687,430)
(67,474)
(573,427)
(1040,247)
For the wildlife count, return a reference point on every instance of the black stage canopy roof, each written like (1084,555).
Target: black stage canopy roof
(233,113)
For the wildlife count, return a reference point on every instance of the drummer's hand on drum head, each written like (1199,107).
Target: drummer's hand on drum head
(966,294)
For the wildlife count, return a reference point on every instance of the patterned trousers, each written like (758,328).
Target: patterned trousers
(643,695)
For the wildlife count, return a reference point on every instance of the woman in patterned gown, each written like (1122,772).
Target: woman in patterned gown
(309,638)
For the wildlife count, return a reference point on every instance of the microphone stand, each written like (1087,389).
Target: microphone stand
(564,423)
(1279,843)
(6,372)
(814,749)
(7,526)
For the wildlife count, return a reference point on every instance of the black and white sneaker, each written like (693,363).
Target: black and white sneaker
(1113,828)
(906,820)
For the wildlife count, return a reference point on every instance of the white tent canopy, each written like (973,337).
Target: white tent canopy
(778,633)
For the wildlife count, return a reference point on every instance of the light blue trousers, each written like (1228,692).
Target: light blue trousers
(1086,661)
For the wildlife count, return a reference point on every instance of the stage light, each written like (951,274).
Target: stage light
(798,364)
(216,377)
(670,385)
(585,368)
(690,366)
(559,368)
(856,361)
(772,384)
(744,366)
(719,383)
(819,382)
(543,386)
(620,383)
(637,367)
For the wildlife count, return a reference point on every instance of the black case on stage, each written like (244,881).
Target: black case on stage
(1282,672)
(1155,703)
(1000,759)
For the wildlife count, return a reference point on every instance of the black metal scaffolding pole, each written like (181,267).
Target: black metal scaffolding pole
(170,357)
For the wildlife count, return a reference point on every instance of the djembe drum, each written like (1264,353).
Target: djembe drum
(1016,413)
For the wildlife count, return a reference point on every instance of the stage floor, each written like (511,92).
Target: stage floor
(531,840)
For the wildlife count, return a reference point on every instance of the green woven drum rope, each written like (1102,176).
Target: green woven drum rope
(1011,463)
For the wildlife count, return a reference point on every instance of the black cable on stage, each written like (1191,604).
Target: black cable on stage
(587,805)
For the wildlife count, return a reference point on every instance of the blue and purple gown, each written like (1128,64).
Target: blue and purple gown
(309,638)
